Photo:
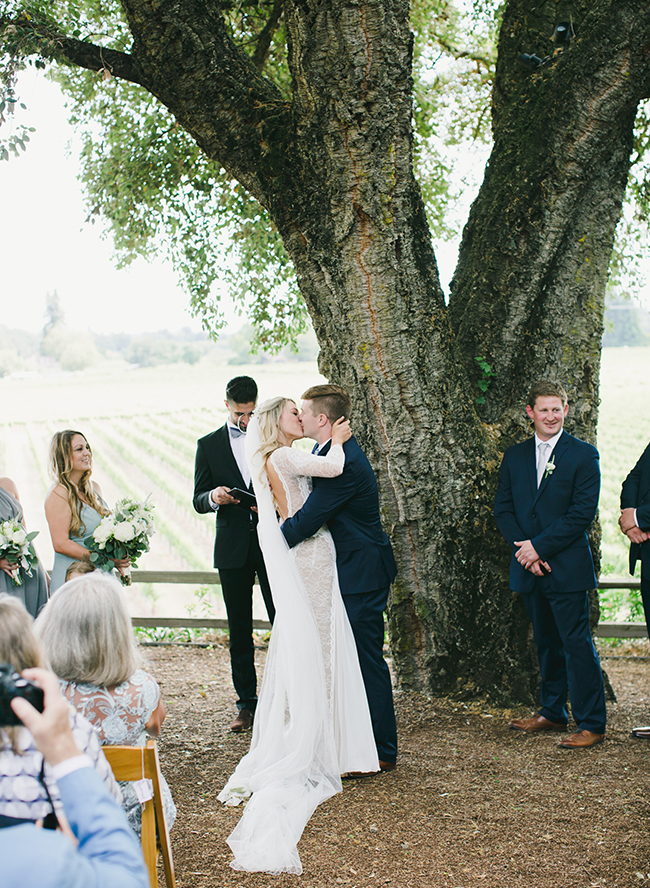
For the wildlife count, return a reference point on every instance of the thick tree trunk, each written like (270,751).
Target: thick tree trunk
(528,289)
(334,170)
(341,191)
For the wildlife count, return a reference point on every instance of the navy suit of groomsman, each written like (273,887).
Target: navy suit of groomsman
(349,505)
(221,466)
(546,499)
(635,524)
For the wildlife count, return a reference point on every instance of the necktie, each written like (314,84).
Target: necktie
(542,459)
(235,433)
(316,448)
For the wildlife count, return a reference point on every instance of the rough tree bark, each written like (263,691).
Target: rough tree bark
(333,167)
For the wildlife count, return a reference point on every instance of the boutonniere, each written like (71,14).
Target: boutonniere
(550,467)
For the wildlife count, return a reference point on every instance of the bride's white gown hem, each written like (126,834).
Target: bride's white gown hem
(312,722)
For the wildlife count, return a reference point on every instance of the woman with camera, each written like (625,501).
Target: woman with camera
(74,505)
(29,793)
(32,590)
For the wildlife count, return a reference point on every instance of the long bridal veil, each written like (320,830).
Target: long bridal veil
(292,765)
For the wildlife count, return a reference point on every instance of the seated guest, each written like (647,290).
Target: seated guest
(28,790)
(78,569)
(87,637)
(107,853)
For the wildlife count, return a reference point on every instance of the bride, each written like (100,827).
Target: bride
(312,722)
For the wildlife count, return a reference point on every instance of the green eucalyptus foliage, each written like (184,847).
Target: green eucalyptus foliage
(145,178)
(155,192)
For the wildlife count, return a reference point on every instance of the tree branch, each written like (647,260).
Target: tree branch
(46,41)
(457,54)
(190,63)
(266,35)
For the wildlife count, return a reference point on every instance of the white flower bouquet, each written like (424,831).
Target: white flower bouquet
(124,533)
(16,546)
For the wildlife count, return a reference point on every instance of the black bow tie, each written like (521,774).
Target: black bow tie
(235,433)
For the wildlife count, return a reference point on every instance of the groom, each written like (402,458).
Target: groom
(366,567)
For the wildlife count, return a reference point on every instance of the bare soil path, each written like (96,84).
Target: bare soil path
(471,804)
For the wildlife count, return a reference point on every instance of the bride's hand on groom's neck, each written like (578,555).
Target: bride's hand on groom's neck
(341,431)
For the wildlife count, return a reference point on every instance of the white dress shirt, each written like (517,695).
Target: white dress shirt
(548,451)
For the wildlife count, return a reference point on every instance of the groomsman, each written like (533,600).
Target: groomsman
(546,499)
(635,524)
(220,466)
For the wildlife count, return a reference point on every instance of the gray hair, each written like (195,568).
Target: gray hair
(86,633)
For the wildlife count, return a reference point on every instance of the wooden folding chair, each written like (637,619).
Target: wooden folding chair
(136,763)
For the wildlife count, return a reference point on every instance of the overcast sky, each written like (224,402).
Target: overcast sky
(46,245)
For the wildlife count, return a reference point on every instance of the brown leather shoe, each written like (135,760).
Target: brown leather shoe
(581,740)
(642,733)
(536,723)
(243,722)
(358,775)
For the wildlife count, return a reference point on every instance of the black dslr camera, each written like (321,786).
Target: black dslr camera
(12,685)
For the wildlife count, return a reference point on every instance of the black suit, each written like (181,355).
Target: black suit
(237,555)
(635,494)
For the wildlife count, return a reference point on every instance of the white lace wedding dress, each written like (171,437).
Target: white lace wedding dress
(312,722)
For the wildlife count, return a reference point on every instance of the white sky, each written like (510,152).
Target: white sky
(46,245)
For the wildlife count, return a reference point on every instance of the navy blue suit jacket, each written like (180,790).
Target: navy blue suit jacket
(349,505)
(635,494)
(554,517)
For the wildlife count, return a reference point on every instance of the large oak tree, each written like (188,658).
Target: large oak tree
(329,156)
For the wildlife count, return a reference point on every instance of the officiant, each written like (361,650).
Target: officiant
(219,468)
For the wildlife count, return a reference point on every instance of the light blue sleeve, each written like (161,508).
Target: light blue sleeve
(108,855)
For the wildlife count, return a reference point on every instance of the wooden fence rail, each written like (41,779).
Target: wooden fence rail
(211,578)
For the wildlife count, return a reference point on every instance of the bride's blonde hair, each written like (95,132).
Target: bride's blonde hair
(268,421)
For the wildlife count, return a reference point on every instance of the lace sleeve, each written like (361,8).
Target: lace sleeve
(301,463)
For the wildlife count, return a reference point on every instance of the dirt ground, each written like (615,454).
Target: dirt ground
(472,803)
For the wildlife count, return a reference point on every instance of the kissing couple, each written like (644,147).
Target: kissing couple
(325,707)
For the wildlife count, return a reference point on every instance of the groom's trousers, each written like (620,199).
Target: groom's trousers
(366,614)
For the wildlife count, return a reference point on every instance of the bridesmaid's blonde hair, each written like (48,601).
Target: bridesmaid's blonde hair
(60,468)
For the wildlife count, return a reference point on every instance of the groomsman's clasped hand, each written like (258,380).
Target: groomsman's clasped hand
(629,527)
(528,558)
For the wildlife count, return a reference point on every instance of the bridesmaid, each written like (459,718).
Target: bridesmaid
(74,505)
(33,592)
